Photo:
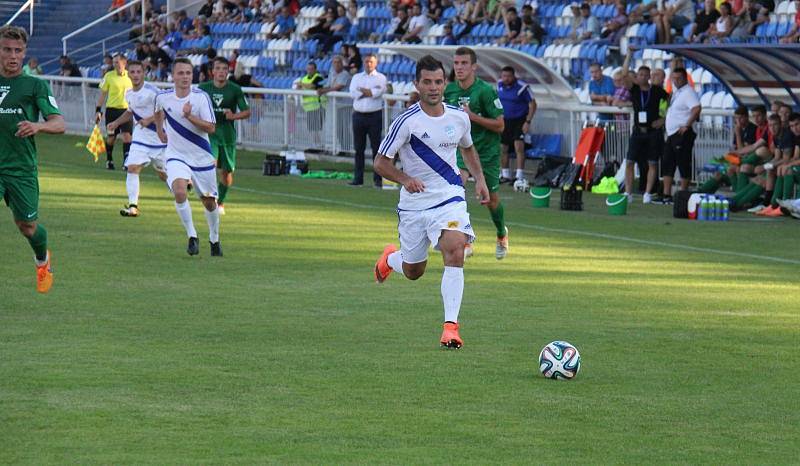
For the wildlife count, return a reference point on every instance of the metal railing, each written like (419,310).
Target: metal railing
(105,17)
(29,5)
(278,121)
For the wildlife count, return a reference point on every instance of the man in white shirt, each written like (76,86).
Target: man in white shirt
(146,147)
(432,208)
(184,119)
(684,109)
(366,88)
(418,26)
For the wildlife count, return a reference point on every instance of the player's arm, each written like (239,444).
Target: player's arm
(491,107)
(496,125)
(53,124)
(205,126)
(384,167)
(242,106)
(751,147)
(124,118)
(473,163)
(529,117)
(101,99)
(158,116)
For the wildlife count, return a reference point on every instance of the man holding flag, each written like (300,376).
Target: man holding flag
(113,87)
(22,99)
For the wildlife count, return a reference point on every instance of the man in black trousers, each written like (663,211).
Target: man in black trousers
(367,89)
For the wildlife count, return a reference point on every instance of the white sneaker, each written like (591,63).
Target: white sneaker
(467,250)
(756,209)
(787,204)
(647,198)
(502,247)
(221,209)
(521,185)
(630,197)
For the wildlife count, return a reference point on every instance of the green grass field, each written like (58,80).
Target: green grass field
(286,351)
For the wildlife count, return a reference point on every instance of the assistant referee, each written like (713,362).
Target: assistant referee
(114,85)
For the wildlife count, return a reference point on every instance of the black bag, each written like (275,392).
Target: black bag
(680,207)
(572,198)
(570,176)
(274,165)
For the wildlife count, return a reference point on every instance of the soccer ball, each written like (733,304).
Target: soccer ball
(559,360)
(521,185)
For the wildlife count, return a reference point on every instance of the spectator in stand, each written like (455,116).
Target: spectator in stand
(723,26)
(615,28)
(172,42)
(794,33)
(158,55)
(532,32)
(184,22)
(205,40)
(207,10)
(676,14)
(399,25)
(323,25)
(513,25)
(352,13)
(601,87)
(744,20)
(703,21)
(418,26)
(352,58)
(142,51)
(588,27)
(683,111)
(244,79)
(233,60)
(284,25)
(108,64)
(447,37)
(32,68)
(122,15)
(622,96)
(338,29)
(435,10)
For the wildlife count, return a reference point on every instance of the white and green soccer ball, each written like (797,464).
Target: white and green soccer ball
(559,360)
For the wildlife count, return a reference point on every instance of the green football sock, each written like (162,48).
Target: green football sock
(777,191)
(223,193)
(38,243)
(709,187)
(742,180)
(788,186)
(498,217)
(748,194)
(726,180)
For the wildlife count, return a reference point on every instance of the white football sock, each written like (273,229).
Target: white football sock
(185,213)
(452,291)
(505,172)
(132,185)
(395,261)
(213,224)
(520,174)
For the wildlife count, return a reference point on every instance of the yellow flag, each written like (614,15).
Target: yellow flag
(96,144)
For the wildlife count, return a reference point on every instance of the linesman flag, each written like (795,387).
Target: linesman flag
(96,144)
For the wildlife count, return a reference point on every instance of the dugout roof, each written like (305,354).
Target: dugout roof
(548,86)
(752,73)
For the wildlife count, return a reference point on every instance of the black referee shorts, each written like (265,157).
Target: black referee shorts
(512,131)
(112,114)
(678,153)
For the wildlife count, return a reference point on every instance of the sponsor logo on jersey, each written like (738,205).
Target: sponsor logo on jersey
(4,90)
(425,135)
(452,224)
(450,130)
(463,100)
(217,99)
(498,104)
(52,101)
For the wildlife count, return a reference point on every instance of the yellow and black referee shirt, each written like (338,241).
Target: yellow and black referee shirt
(115,86)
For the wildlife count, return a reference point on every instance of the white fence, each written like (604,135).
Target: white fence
(278,121)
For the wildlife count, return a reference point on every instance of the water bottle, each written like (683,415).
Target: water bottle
(718,210)
(293,170)
(725,210)
(702,212)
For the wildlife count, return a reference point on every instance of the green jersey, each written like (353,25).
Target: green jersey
(22,98)
(229,97)
(483,101)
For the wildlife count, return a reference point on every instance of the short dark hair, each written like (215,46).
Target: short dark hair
(794,116)
(511,9)
(742,111)
(135,63)
(428,63)
(679,70)
(509,69)
(473,57)
(759,108)
(182,60)
(644,68)
(13,33)
(774,117)
(312,63)
(222,60)
(585,6)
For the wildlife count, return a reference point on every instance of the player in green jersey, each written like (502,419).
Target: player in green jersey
(22,99)
(230,105)
(480,101)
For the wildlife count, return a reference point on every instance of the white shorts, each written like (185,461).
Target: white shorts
(419,229)
(146,155)
(204,179)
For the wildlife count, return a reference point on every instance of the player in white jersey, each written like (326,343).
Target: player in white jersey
(184,119)
(146,147)
(433,207)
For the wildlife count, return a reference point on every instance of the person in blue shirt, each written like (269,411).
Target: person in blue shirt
(285,24)
(448,38)
(519,106)
(601,89)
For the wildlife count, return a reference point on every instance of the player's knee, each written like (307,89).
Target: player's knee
(414,271)
(135,169)
(26,228)
(210,203)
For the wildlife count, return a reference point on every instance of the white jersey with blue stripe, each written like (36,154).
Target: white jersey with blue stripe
(142,105)
(185,141)
(427,147)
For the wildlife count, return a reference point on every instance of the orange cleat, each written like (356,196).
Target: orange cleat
(44,276)
(771,212)
(450,337)
(382,269)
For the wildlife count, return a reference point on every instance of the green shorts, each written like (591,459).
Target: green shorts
(225,155)
(21,194)
(752,159)
(491,170)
